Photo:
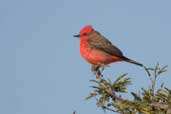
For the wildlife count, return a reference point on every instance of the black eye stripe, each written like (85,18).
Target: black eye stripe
(85,34)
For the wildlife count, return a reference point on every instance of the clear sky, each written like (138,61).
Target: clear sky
(42,71)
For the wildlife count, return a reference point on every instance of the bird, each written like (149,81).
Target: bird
(98,50)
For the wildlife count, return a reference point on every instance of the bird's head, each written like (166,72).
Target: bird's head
(85,31)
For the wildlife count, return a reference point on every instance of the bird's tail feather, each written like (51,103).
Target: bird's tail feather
(132,61)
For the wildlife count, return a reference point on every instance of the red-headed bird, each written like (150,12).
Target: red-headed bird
(98,50)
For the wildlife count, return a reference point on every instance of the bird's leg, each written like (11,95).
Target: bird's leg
(102,66)
(95,69)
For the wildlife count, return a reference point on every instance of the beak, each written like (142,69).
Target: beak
(77,35)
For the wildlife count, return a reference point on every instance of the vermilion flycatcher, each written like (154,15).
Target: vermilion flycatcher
(98,50)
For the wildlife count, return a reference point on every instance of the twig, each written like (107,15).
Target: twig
(74,112)
(108,91)
(105,107)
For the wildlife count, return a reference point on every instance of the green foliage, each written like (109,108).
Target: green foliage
(148,101)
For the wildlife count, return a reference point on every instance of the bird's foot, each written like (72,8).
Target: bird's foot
(96,70)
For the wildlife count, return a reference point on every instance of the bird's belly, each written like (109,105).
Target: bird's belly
(95,56)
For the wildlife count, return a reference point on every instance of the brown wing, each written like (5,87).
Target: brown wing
(101,43)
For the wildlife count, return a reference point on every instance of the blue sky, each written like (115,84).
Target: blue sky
(42,71)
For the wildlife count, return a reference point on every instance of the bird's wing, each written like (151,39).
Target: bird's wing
(101,43)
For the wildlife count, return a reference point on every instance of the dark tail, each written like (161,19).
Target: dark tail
(132,61)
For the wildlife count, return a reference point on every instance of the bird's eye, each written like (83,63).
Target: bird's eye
(85,34)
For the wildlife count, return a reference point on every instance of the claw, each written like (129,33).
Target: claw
(96,70)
